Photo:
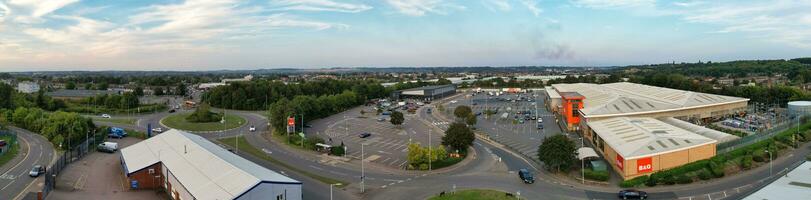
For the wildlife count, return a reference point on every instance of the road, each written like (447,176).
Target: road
(493,167)
(35,150)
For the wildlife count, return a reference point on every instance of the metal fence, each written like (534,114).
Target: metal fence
(761,135)
(67,157)
(11,140)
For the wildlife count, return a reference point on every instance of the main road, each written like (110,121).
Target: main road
(33,150)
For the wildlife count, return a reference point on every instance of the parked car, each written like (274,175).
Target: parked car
(381,119)
(252,129)
(106,116)
(540,126)
(540,119)
(109,147)
(453,101)
(172,111)
(428,111)
(157,130)
(117,133)
(364,135)
(526,176)
(36,171)
(632,194)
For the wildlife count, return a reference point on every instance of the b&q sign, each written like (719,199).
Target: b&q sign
(620,161)
(644,165)
(291,121)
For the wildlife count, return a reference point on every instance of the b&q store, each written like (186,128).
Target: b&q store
(641,129)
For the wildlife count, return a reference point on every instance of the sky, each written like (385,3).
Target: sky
(188,35)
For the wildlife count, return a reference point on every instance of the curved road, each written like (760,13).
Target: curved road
(34,150)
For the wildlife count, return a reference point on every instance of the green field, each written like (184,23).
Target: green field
(475,194)
(178,121)
(129,121)
(12,151)
(247,148)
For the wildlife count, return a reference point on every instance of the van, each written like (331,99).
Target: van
(109,147)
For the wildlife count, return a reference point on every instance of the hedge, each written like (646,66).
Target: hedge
(634,182)
(596,175)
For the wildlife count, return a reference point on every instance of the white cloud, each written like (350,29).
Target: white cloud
(613,3)
(321,5)
(39,8)
(4,11)
(502,5)
(532,5)
(422,7)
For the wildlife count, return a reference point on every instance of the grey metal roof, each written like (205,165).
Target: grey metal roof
(643,136)
(430,87)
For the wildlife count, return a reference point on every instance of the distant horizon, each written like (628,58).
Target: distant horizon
(192,35)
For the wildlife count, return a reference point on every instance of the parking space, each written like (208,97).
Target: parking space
(99,176)
(387,144)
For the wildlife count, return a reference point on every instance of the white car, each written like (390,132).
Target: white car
(252,129)
(157,130)
(105,116)
(540,120)
(454,101)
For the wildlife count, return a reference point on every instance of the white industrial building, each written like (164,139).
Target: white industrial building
(28,87)
(188,166)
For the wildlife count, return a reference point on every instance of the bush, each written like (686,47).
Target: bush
(808,158)
(684,179)
(746,162)
(309,143)
(203,115)
(759,156)
(596,175)
(337,150)
(705,174)
(424,166)
(634,182)
(717,168)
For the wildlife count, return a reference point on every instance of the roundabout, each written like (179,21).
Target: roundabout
(179,121)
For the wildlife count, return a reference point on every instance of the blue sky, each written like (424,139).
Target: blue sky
(233,34)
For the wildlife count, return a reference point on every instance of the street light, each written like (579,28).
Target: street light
(582,163)
(362,169)
(330,189)
(770,162)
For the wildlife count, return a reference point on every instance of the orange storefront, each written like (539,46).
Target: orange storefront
(570,109)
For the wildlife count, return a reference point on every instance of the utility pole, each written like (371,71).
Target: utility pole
(362,169)
(429,148)
(770,162)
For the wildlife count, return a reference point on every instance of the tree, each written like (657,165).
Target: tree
(471,120)
(557,153)
(88,86)
(6,94)
(180,89)
(462,111)
(138,91)
(102,86)
(70,86)
(458,136)
(203,114)
(397,118)
(158,91)
(416,154)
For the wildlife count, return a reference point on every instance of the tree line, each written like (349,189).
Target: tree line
(778,94)
(61,128)
(258,95)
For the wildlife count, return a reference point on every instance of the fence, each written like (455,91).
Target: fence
(759,136)
(11,140)
(76,153)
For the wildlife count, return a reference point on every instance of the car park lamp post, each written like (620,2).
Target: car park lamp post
(770,162)
(582,163)
(362,170)
(330,189)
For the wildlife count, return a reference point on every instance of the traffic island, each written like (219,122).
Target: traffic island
(476,194)
(180,121)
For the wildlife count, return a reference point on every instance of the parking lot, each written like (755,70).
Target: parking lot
(386,146)
(99,176)
(517,131)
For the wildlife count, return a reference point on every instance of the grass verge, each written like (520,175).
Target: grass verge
(12,151)
(128,121)
(231,141)
(474,194)
(178,121)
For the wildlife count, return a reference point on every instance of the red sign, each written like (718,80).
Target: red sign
(291,121)
(644,165)
(620,161)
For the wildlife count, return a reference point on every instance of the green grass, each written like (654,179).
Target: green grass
(474,194)
(231,141)
(178,121)
(12,151)
(128,121)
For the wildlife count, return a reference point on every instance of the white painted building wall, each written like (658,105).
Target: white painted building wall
(272,191)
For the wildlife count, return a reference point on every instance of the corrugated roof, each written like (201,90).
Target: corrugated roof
(430,87)
(552,93)
(623,98)
(643,136)
(205,169)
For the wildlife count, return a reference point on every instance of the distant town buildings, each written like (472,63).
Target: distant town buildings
(206,86)
(27,87)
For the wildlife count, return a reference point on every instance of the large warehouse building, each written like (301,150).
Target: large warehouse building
(427,93)
(188,166)
(643,126)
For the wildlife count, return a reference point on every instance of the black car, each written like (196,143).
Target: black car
(364,135)
(632,194)
(172,111)
(526,176)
